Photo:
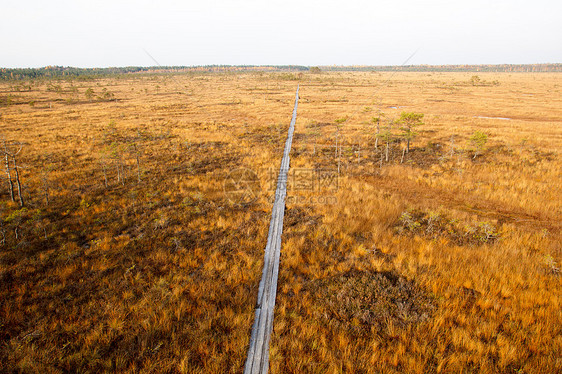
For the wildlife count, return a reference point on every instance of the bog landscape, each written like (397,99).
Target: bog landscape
(421,231)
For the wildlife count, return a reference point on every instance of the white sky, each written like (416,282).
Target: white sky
(103,33)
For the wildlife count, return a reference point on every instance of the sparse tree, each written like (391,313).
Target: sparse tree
(104,170)
(116,154)
(16,219)
(89,93)
(409,121)
(475,80)
(478,141)
(11,155)
(106,95)
(8,174)
(387,137)
(18,182)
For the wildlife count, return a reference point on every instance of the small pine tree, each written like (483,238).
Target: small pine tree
(478,141)
(89,93)
(409,121)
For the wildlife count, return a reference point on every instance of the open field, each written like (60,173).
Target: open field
(128,255)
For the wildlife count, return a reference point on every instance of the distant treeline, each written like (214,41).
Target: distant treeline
(62,72)
(438,68)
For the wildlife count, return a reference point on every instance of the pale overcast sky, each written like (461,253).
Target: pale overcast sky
(103,33)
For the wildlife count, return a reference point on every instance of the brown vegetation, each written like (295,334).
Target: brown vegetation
(128,256)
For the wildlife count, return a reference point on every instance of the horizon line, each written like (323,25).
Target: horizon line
(283,65)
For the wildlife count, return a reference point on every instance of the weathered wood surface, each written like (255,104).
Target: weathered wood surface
(258,353)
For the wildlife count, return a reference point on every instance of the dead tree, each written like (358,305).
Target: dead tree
(387,137)
(377,121)
(12,155)
(103,163)
(118,171)
(8,175)
(18,183)
(115,153)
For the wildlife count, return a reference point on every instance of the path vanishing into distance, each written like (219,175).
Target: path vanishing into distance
(258,353)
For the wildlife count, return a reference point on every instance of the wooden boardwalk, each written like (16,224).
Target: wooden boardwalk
(258,353)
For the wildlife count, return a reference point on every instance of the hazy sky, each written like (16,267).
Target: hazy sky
(103,33)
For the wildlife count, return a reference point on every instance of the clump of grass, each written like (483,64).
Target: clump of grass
(551,265)
(289,76)
(365,302)
(432,224)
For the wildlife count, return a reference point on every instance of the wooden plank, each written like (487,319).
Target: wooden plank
(257,360)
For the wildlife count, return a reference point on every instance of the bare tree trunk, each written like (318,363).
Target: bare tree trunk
(377,136)
(403,152)
(387,151)
(9,176)
(18,183)
(408,145)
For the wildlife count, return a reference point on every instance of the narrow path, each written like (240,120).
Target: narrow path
(258,353)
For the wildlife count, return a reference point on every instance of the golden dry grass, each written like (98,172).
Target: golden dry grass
(161,275)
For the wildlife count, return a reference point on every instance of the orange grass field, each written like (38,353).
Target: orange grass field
(129,256)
